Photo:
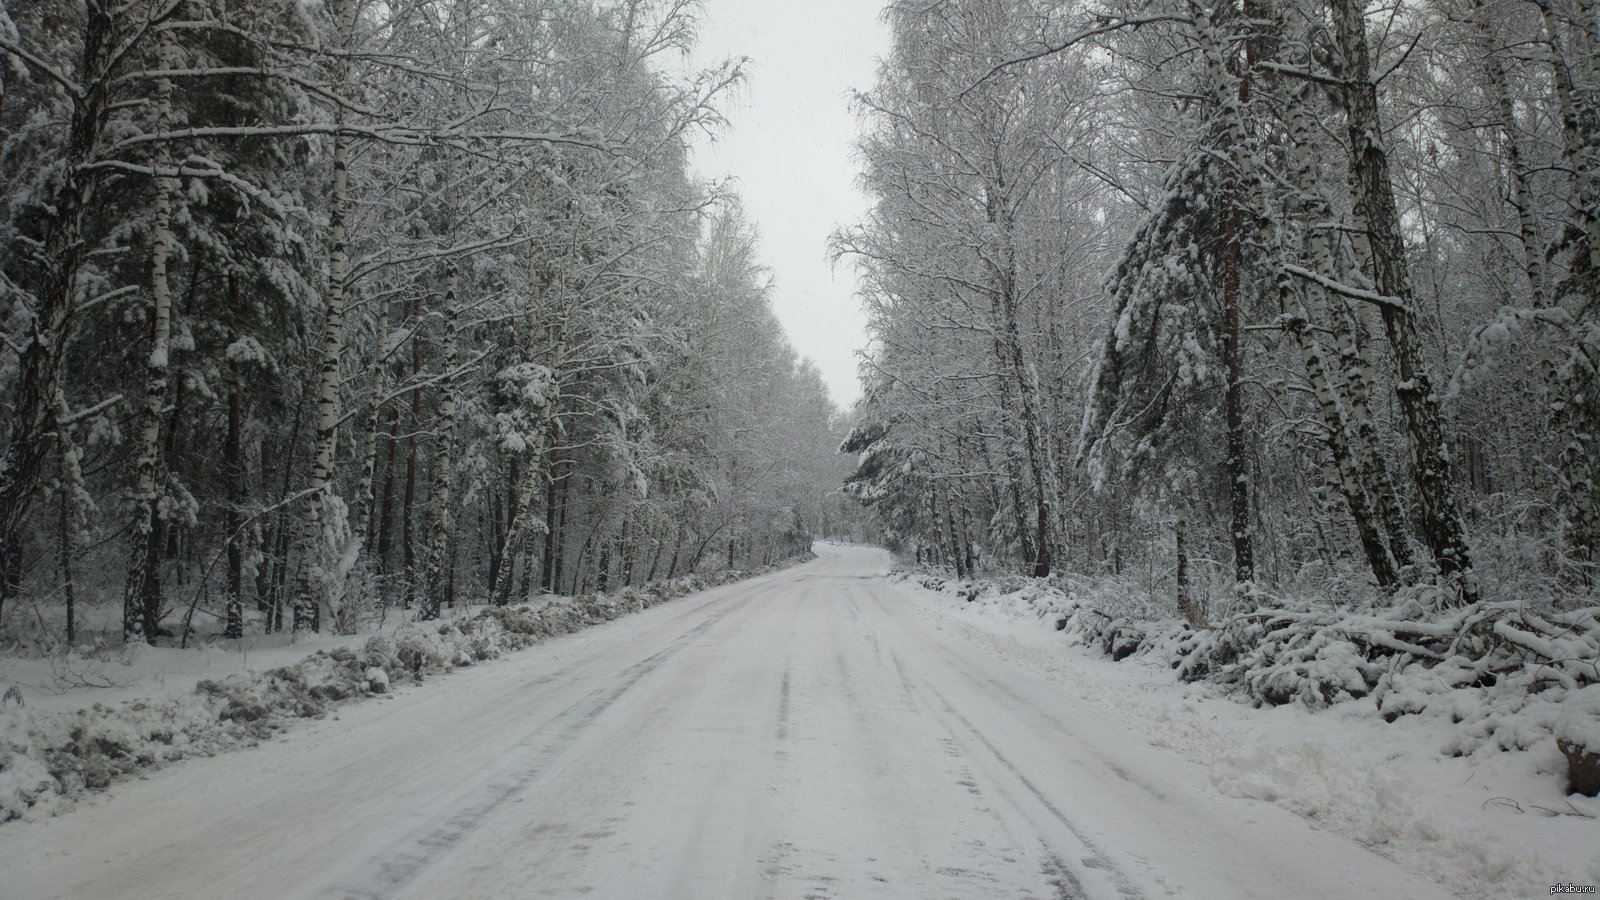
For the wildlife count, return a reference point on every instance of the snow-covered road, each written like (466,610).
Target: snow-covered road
(807,734)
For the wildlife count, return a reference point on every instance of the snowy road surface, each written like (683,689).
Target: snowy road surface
(807,734)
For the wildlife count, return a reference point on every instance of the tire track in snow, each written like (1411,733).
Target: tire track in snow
(1095,856)
(386,873)
(958,747)
(966,741)
(1022,707)
(1168,832)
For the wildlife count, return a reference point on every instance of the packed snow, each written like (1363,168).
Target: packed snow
(817,732)
(84,719)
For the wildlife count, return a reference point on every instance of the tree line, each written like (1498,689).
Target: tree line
(1247,294)
(314,310)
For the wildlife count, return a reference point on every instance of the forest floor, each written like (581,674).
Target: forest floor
(818,732)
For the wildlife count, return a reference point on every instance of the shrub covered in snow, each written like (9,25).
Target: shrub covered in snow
(1506,677)
(46,755)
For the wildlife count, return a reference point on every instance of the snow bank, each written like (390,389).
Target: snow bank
(1436,740)
(1503,675)
(49,754)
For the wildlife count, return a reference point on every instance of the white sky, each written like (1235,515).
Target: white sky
(789,148)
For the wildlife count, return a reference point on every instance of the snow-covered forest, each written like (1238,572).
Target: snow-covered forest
(1220,516)
(316,310)
(1265,334)
(1283,295)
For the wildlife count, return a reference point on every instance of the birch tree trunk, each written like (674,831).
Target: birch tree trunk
(1379,239)
(365,492)
(1521,194)
(1351,380)
(1298,320)
(1014,485)
(311,581)
(408,502)
(1390,542)
(555,525)
(1574,409)
(139,613)
(1041,470)
(1188,607)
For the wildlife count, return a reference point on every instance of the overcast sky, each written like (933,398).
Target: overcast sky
(790,149)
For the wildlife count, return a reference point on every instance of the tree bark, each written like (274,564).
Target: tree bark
(555,519)
(366,491)
(1379,240)
(443,460)
(63,250)
(72,512)
(535,475)
(383,537)
(1035,445)
(1573,404)
(1187,606)
(1520,194)
(408,503)
(311,582)
(233,465)
(68,588)
(1235,466)
(149,459)
(1297,321)
(1362,470)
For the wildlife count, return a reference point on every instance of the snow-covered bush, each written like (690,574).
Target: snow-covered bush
(24,781)
(1505,676)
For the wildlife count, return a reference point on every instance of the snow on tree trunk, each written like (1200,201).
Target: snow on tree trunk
(1235,465)
(365,493)
(1573,403)
(34,403)
(1189,606)
(1520,195)
(1025,387)
(139,613)
(1379,240)
(312,579)
(436,568)
(75,510)
(1351,381)
(233,462)
(1351,452)
(534,474)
